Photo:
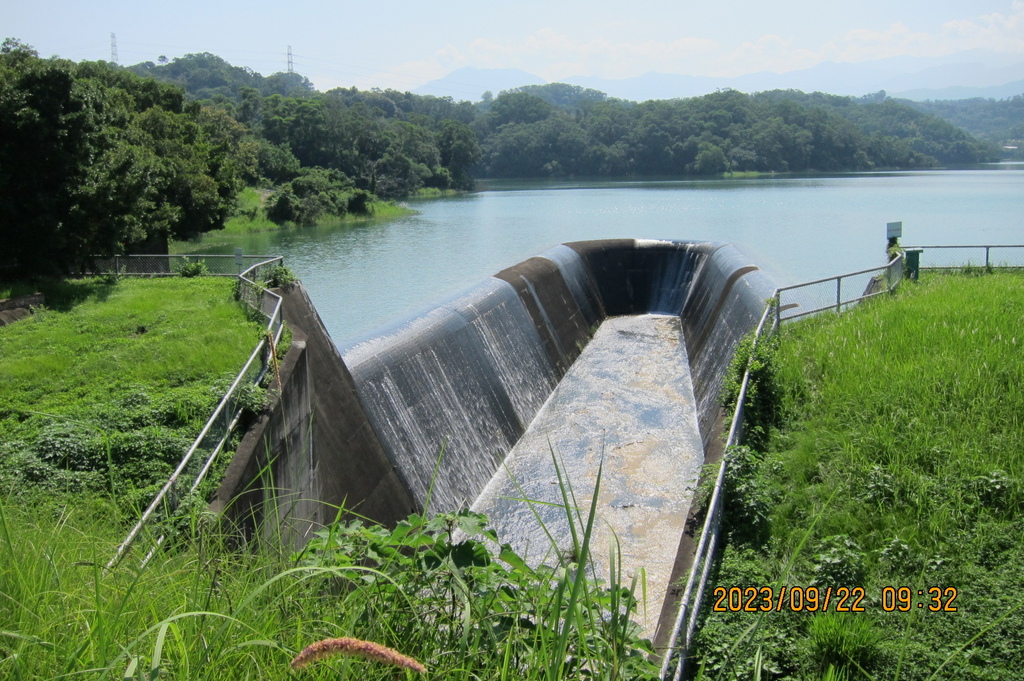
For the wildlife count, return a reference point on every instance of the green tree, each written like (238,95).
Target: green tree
(94,159)
(710,160)
(459,151)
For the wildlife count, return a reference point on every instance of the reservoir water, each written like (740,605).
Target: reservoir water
(363,276)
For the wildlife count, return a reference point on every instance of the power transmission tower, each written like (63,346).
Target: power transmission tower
(291,66)
(113,48)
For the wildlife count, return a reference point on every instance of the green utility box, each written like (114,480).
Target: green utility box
(913,263)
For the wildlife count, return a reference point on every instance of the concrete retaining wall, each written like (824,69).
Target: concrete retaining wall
(15,309)
(315,451)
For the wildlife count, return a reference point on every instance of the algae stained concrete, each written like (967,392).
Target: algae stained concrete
(626,406)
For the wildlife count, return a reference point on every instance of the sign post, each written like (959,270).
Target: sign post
(893,232)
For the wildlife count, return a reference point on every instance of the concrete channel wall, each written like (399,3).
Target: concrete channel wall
(430,407)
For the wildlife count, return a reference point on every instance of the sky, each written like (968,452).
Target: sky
(404,44)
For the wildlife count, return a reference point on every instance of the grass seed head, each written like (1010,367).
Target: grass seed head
(355,647)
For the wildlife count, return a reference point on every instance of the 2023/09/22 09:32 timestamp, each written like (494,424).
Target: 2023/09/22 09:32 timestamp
(833,599)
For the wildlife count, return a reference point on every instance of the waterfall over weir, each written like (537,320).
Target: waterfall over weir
(431,408)
(469,376)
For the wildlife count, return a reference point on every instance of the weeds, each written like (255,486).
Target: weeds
(190,268)
(897,464)
(762,403)
(414,594)
(280,275)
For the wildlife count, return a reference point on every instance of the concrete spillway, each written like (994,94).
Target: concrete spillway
(625,409)
(365,428)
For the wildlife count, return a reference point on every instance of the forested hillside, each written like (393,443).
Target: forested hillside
(96,158)
(559,129)
(524,136)
(1000,121)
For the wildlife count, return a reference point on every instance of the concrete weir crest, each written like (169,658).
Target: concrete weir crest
(471,376)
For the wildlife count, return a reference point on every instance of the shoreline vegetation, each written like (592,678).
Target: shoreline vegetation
(250,214)
(895,475)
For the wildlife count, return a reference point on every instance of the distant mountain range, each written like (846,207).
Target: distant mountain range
(962,76)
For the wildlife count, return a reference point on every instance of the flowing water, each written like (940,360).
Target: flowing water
(796,229)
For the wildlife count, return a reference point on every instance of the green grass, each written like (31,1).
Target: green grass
(125,372)
(434,192)
(122,374)
(384,210)
(899,465)
(207,611)
(240,224)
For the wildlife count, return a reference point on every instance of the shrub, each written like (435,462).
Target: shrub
(192,268)
(838,562)
(747,507)
(280,275)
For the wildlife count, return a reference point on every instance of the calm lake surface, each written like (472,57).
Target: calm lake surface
(796,229)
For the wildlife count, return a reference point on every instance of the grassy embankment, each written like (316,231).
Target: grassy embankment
(108,386)
(138,352)
(899,465)
(250,215)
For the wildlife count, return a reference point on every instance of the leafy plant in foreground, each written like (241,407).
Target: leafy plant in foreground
(434,588)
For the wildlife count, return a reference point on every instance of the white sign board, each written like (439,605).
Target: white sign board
(893,230)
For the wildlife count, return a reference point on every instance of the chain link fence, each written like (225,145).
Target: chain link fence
(839,292)
(173,265)
(961,257)
(243,394)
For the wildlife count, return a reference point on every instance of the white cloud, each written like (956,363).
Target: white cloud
(998,32)
(767,53)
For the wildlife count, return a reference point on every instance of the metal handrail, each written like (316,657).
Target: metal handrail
(706,547)
(274,328)
(835,277)
(967,246)
(988,252)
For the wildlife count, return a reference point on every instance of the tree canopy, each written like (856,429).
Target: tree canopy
(94,159)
